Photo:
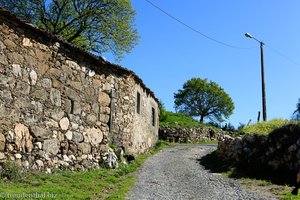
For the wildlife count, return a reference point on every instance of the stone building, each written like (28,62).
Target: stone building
(60,105)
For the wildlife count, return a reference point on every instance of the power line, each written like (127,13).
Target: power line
(283,55)
(191,28)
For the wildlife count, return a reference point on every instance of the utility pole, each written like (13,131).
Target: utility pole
(263,87)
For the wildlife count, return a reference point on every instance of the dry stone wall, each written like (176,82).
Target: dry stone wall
(59,106)
(278,152)
(192,134)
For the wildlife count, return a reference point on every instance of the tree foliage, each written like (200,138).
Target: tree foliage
(95,25)
(200,98)
(296,114)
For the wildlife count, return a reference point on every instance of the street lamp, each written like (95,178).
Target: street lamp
(262,75)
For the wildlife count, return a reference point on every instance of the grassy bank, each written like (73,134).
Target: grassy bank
(94,184)
(267,127)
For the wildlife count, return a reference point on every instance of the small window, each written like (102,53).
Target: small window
(153,117)
(138,102)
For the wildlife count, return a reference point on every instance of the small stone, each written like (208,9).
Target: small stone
(64,123)
(57,114)
(33,77)
(51,146)
(2,156)
(77,137)
(40,132)
(91,119)
(69,135)
(17,71)
(39,163)
(18,156)
(46,83)
(2,142)
(55,97)
(27,42)
(66,158)
(38,145)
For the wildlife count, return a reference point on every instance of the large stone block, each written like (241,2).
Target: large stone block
(51,146)
(93,136)
(23,139)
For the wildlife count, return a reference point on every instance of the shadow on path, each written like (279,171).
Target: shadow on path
(215,164)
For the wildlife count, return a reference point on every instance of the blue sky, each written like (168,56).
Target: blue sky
(169,53)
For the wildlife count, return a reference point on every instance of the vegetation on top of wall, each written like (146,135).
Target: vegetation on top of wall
(265,128)
(171,119)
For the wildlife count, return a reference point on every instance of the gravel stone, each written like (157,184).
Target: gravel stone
(176,173)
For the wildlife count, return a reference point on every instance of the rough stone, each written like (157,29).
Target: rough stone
(93,136)
(17,71)
(2,156)
(69,135)
(23,139)
(85,148)
(104,99)
(64,123)
(18,156)
(104,118)
(91,119)
(51,146)
(39,132)
(27,42)
(2,142)
(39,163)
(55,97)
(33,77)
(76,108)
(57,114)
(77,137)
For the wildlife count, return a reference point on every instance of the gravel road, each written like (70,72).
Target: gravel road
(175,173)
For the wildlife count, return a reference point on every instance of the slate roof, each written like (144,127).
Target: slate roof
(95,59)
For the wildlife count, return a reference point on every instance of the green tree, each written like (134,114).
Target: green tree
(95,25)
(200,98)
(296,114)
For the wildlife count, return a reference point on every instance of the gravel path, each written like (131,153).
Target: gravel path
(175,173)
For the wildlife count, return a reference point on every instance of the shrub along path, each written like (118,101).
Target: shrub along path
(176,173)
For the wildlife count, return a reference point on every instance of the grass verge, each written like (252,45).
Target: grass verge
(94,184)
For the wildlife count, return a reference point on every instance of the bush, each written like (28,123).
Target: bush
(10,170)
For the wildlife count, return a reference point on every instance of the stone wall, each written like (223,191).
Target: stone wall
(182,134)
(277,152)
(60,106)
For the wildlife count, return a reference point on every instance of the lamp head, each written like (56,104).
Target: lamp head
(248,35)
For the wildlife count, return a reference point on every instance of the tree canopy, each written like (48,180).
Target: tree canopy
(200,98)
(296,114)
(97,26)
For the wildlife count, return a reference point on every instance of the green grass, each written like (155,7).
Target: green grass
(177,120)
(265,128)
(94,184)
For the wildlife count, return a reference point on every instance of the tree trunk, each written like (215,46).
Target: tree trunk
(201,119)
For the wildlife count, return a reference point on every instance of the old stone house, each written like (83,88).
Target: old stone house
(60,105)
